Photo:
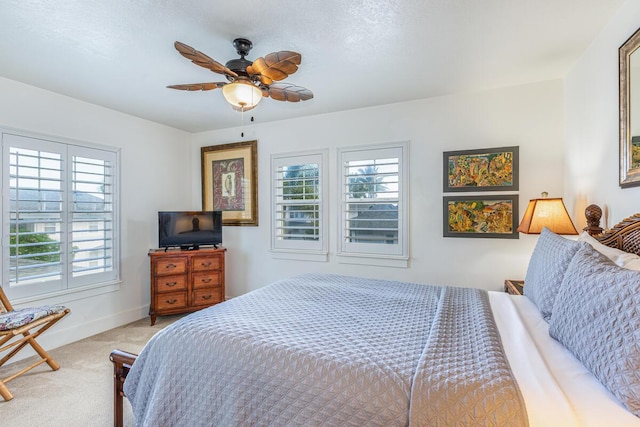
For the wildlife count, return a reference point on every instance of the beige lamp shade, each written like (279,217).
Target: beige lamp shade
(550,213)
(242,94)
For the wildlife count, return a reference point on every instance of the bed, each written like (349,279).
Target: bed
(323,349)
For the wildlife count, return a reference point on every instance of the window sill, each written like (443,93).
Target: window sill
(373,259)
(299,255)
(71,294)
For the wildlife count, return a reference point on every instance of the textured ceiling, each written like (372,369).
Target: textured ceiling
(119,53)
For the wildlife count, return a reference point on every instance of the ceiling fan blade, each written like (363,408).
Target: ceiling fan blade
(202,60)
(276,65)
(289,92)
(198,86)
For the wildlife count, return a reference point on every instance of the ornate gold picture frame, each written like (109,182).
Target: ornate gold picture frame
(629,64)
(230,181)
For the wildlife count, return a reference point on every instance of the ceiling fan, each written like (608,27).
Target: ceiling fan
(248,81)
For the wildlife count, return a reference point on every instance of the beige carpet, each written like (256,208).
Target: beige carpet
(80,393)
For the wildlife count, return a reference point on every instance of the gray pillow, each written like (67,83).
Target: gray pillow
(597,317)
(547,266)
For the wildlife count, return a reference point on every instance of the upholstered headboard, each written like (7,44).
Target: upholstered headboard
(624,236)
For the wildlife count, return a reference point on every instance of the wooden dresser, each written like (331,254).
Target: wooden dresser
(185,281)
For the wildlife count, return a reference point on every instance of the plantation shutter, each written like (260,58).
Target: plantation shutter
(36,218)
(59,216)
(373,190)
(298,211)
(92,214)
(298,203)
(371,204)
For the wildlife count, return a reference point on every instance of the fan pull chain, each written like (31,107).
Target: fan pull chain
(242,125)
(242,132)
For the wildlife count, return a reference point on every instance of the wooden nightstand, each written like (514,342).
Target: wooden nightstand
(514,287)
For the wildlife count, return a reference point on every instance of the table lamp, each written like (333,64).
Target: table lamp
(546,212)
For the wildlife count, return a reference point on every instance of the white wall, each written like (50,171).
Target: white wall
(529,116)
(591,111)
(156,161)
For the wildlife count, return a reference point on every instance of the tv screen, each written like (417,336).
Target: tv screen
(189,229)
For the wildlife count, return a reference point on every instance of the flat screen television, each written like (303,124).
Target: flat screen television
(189,229)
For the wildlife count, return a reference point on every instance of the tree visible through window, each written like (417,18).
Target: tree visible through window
(38,247)
(373,209)
(366,183)
(300,212)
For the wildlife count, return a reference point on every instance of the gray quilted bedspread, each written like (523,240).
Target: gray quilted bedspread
(326,350)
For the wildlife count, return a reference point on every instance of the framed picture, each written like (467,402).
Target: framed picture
(629,100)
(481,216)
(230,181)
(488,169)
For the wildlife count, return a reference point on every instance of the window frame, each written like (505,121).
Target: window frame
(88,285)
(309,250)
(390,255)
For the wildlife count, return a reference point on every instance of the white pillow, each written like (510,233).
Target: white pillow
(620,258)
(632,264)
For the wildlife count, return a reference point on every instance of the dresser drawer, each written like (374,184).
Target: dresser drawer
(170,301)
(204,263)
(171,283)
(172,265)
(208,296)
(206,280)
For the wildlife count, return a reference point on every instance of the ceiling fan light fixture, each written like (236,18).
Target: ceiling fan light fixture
(242,94)
(248,80)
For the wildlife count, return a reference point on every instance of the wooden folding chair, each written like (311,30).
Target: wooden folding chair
(21,327)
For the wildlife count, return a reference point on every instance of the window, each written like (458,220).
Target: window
(59,216)
(298,205)
(373,210)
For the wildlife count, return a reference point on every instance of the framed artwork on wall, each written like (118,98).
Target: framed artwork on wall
(487,169)
(229,181)
(629,100)
(481,216)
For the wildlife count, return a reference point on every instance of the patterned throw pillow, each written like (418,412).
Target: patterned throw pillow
(14,319)
(597,317)
(547,267)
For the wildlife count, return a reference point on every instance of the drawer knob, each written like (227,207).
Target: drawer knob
(171,266)
(206,296)
(207,280)
(206,264)
(171,284)
(173,301)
